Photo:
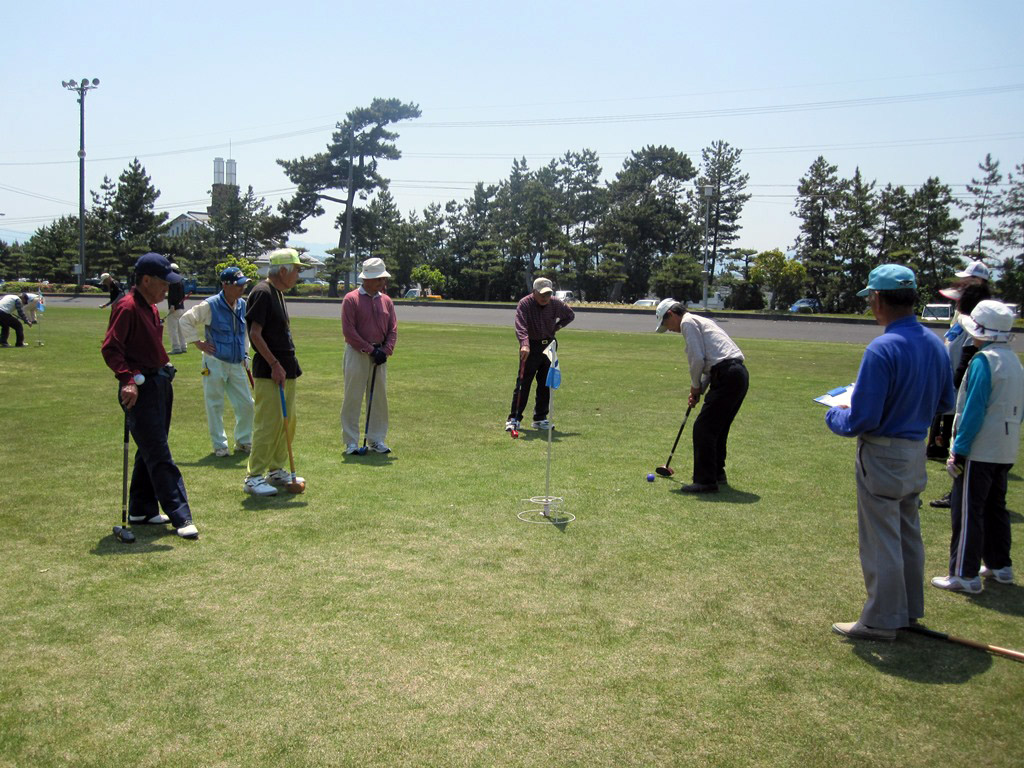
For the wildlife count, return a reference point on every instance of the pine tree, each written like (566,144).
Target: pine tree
(936,237)
(982,205)
(856,246)
(819,198)
(720,169)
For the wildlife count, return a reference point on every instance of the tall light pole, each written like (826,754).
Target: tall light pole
(81,89)
(708,192)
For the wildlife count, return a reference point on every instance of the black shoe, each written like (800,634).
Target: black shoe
(5,344)
(942,503)
(700,488)
(722,479)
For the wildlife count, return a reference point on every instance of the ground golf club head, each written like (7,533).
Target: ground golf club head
(514,433)
(296,486)
(362,451)
(123,535)
(665,471)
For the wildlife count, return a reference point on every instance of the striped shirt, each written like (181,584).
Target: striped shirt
(536,322)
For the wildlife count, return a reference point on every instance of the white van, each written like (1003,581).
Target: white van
(943,312)
(566,296)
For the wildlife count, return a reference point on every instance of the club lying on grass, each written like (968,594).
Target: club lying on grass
(1008,653)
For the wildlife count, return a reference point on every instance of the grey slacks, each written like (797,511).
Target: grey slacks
(891,475)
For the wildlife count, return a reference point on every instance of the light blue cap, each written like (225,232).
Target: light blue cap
(889,277)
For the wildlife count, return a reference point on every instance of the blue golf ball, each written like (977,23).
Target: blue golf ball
(650,478)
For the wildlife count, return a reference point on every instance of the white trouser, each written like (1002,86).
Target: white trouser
(174,329)
(358,374)
(230,378)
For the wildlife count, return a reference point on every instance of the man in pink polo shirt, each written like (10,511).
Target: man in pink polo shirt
(370,328)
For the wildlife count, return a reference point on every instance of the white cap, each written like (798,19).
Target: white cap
(975,269)
(660,313)
(991,320)
(542,285)
(372,269)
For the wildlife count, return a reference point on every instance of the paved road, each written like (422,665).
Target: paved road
(740,328)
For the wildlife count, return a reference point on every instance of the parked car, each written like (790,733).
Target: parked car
(806,306)
(566,296)
(420,293)
(645,303)
(314,281)
(942,312)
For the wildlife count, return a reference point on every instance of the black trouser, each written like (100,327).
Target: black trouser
(535,367)
(729,382)
(981,523)
(156,479)
(6,323)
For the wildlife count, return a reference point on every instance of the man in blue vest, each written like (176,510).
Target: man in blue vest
(225,355)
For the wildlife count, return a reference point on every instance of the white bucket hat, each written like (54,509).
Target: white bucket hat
(372,269)
(990,321)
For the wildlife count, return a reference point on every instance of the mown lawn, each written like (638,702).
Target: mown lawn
(398,613)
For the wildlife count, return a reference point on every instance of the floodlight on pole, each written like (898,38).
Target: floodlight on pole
(709,191)
(81,89)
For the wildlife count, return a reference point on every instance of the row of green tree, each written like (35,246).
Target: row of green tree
(648,230)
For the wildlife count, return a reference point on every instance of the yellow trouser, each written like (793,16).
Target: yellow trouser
(269,449)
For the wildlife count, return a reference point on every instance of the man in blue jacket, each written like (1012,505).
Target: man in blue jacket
(986,438)
(904,380)
(225,349)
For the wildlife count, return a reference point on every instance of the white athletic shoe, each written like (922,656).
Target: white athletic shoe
(957,584)
(157,519)
(1002,575)
(257,486)
(188,532)
(282,477)
(511,425)
(543,424)
(221,453)
(351,448)
(380,448)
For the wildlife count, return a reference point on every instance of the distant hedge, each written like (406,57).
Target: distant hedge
(15,286)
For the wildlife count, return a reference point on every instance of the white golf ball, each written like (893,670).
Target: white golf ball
(139,379)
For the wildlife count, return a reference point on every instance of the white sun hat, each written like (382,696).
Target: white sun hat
(372,269)
(990,321)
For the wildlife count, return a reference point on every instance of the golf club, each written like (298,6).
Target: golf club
(519,394)
(369,405)
(666,470)
(293,486)
(248,372)
(121,532)
(1015,655)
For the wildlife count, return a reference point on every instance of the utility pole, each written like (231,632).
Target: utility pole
(81,89)
(708,191)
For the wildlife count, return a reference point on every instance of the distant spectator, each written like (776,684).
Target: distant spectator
(115,289)
(175,309)
(11,305)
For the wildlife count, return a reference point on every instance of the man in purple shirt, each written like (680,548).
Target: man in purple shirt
(134,345)
(538,316)
(371,329)
(904,380)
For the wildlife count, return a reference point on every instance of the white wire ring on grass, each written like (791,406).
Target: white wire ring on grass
(549,512)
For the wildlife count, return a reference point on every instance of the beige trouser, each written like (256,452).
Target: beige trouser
(358,375)
(269,449)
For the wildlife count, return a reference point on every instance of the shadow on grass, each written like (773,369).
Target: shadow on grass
(1004,598)
(923,659)
(283,499)
(372,458)
(556,436)
(148,538)
(1015,517)
(726,494)
(233,462)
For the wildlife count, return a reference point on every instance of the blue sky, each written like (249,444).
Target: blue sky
(903,90)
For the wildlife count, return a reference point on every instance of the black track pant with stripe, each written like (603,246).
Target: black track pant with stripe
(981,522)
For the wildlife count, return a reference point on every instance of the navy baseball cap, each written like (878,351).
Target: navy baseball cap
(157,266)
(889,277)
(234,276)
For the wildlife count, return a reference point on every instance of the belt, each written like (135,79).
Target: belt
(726,363)
(882,440)
(541,341)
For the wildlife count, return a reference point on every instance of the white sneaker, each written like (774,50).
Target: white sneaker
(282,477)
(157,519)
(351,448)
(543,424)
(380,447)
(243,447)
(957,584)
(221,453)
(257,486)
(1002,575)
(188,532)
(511,425)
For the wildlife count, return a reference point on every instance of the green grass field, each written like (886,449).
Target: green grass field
(398,613)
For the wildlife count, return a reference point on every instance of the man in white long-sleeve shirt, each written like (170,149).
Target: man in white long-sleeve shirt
(716,366)
(225,348)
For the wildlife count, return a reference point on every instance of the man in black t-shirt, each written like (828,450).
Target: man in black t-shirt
(274,367)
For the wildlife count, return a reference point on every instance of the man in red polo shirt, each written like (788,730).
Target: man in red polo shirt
(134,345)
